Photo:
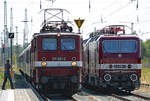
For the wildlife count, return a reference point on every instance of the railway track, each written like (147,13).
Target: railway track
(120,98)
(47,97)
(140,96)
(92,97)
(145,85)
(131,97)
(96,95)
(57,97)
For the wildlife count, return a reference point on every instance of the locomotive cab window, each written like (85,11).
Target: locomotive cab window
(68,44)
(49,44)
(119,46)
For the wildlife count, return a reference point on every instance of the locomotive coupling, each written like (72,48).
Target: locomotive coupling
(74,79)
(44,79)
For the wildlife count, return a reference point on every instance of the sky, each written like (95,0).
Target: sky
(101,13)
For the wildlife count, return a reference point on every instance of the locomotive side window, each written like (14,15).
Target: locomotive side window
(68,44)
(119,46)
(49,44)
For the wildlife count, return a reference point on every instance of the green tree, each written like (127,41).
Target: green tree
(147,48)
(143,50)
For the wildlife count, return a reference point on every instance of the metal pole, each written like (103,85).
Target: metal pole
(11,50)
(79,30)
(137,5)
(132,24)
(5,32)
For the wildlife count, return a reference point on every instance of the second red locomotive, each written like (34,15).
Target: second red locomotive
(112,60)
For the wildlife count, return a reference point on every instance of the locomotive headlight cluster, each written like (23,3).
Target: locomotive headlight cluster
(58,34)
(107,77)
(43,63)
(133,77)
(74,63)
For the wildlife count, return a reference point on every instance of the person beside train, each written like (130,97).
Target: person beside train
(7,75)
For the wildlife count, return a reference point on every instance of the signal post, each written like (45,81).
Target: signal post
(79,23)
(11,36)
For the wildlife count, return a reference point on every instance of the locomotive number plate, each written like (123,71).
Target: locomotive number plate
(58,58)
(119,66)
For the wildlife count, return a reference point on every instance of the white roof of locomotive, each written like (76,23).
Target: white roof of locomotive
(119,35)
(61,33)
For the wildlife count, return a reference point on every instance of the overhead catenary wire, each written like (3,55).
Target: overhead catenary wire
(118,10)
(110,5)
(113,12)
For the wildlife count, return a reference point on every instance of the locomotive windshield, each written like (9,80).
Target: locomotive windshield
(119,46)
(67,44)
(49,44)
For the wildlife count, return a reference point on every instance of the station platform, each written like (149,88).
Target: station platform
(23,90)
(18,95)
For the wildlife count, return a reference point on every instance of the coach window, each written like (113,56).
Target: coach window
(27,56)
(49,44)
(35,43)
(68,44)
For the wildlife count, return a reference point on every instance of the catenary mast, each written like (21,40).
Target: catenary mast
(6,44)
(25,36)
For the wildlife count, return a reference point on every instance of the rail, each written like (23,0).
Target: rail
(139,96)
(147,85)
(120,98)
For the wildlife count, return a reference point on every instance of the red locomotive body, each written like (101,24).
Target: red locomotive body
(112,60)
(53,59)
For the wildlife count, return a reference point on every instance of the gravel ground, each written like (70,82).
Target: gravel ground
(145,91)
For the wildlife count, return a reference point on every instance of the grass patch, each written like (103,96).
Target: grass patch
(145,75)
(2,79)
(7,86)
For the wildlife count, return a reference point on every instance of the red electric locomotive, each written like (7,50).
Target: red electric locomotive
(54,58)
(112,59)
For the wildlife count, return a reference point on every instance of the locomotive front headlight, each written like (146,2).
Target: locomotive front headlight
(58,34)
(74,63)
(133,77)
(43,63)
(107,77)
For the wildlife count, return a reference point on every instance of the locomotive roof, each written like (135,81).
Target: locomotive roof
(119,35)
(96,38)
(42,34)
